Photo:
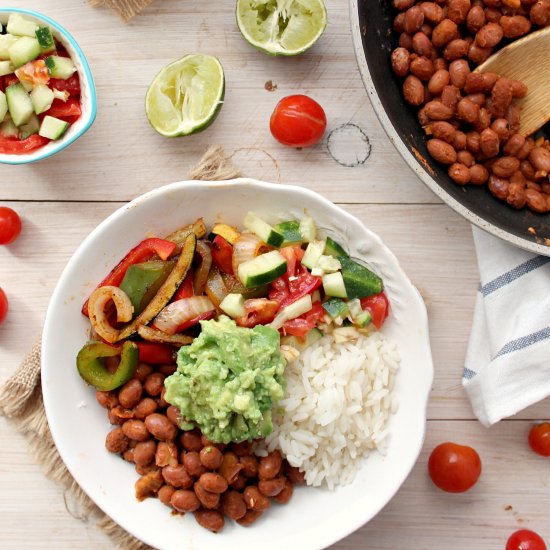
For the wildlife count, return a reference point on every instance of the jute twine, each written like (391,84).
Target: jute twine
(21,399)
(125,8)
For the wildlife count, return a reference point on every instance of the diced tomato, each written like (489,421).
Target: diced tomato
(222,255)
(2,84)
(156,354)
(14,146)
(288,289)
(71,85)
(303,324)
(196,320)
(378,305)
(185,290)
(10,79)
(34,72)
(258,311)
(61,109)
(292,255)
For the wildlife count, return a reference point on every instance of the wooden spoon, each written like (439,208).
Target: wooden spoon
(528,60)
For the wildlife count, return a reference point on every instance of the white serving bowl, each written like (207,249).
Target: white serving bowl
(314,518)
(88,101)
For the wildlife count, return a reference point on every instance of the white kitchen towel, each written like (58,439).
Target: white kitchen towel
(507,365)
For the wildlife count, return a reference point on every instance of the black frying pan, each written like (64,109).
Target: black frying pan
(371,22)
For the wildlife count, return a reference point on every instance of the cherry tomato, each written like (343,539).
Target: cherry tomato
(298,121)
(454,468)
(524,539)
(3,306)
(539,439)
(10,225)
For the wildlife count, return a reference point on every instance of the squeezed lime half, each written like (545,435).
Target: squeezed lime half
(281,27)
(186,96)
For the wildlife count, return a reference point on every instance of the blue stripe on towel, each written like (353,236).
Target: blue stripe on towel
(468,374)
(513,274)
(524,341)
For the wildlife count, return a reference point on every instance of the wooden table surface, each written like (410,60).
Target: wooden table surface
(62,199)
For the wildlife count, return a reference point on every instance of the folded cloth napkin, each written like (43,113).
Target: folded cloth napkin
(507,365)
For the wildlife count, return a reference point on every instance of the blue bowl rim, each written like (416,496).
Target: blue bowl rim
(87,71)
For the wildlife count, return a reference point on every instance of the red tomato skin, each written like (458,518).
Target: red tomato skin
(10,225)
(298,121)
(454,468)
(3,306)
(379,306)
(525,539)
(539,439)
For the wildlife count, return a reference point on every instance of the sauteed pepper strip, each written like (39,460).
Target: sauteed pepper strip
(91,366)
(145,250)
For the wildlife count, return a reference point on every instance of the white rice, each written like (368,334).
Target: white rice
(336,407)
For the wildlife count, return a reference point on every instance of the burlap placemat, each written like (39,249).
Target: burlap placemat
(125,8)
(21,399)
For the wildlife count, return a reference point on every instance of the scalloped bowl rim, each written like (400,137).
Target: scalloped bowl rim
(316,517)
(88,97)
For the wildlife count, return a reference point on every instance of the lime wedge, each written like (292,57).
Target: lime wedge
(186,96)
(281,27)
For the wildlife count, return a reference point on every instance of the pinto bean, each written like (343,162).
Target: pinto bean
(504,167)
(405,41)
(457,10)
(501,97)
(116,441)
(400,61)
(489,35)
(478,174)
(483,120)
(177,476)
(233,505)
(208,500)
(295,476)
(450,96)
(144,452)
(142,372)
(286,494)
(489,142)
(513,115)
(459,173)
(440,64)
(441,129)
(148,484)
(460,141)
(255,500)
(270,465)
(136,430)
(422,67)
(526,149)
(166,454)
(498,186)
(540,159)
(184,501)
(130,394)
(519,89)
(467,111)
(480,82)
(230,466)
(413,90)
(444,32)
(477,54)
(540,13)
(441,151)
(536,201)
(210,519)
(473,142)
(118,415)
(271,487)
(165,493)
(414,18)
(517,196)
(144,408)
(514,26)
(244,448)
(502,128)
(438,81)
(466,158)
(475,19)
(154,383)
(432,12)
(478,99)
(211,458)
(438,111)
(458,71)
(250,466)
(527,170)
(456,49)
(403,5)
(214,483)
(192,463)
(107,399)
(249,518)
(161,427)
(519,178)
(191,441)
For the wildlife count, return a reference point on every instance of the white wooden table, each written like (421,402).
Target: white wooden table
(62,199)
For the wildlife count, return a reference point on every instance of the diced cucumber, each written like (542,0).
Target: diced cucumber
(363,319)
(6,67)
(24,50)
(60,67)
(233,305)
(45,39)
(30,128)
(21,26)
(317,272)
(229,233)
(6,42)
(297,308)
(3,106)
(332,248)
(312,254)
(314,335)
(53,128)
(262,269)
(9,129)
(359,280)
(267,233)
(333,283)
(42,98)
(329,264)
(308,230)
(19,104)
(336,307)
(290,230)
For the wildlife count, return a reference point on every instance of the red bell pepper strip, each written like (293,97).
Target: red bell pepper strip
(185,290)
(196,320)
(156,354)
(142,252)
(378,305)
(222,255)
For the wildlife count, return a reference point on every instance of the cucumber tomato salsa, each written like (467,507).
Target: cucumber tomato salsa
(39,87)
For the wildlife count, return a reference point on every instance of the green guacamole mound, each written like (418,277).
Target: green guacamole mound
(228,380)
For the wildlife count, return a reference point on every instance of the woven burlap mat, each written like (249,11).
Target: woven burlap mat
(21,399)
(125,8)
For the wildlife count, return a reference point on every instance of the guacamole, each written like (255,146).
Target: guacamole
(228,380)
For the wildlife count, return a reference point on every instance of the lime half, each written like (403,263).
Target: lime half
(186,96)
(281,27)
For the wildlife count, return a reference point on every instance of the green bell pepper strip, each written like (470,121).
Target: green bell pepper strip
(91,366)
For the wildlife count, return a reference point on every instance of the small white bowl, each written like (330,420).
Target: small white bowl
(88,101)
(314,518)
